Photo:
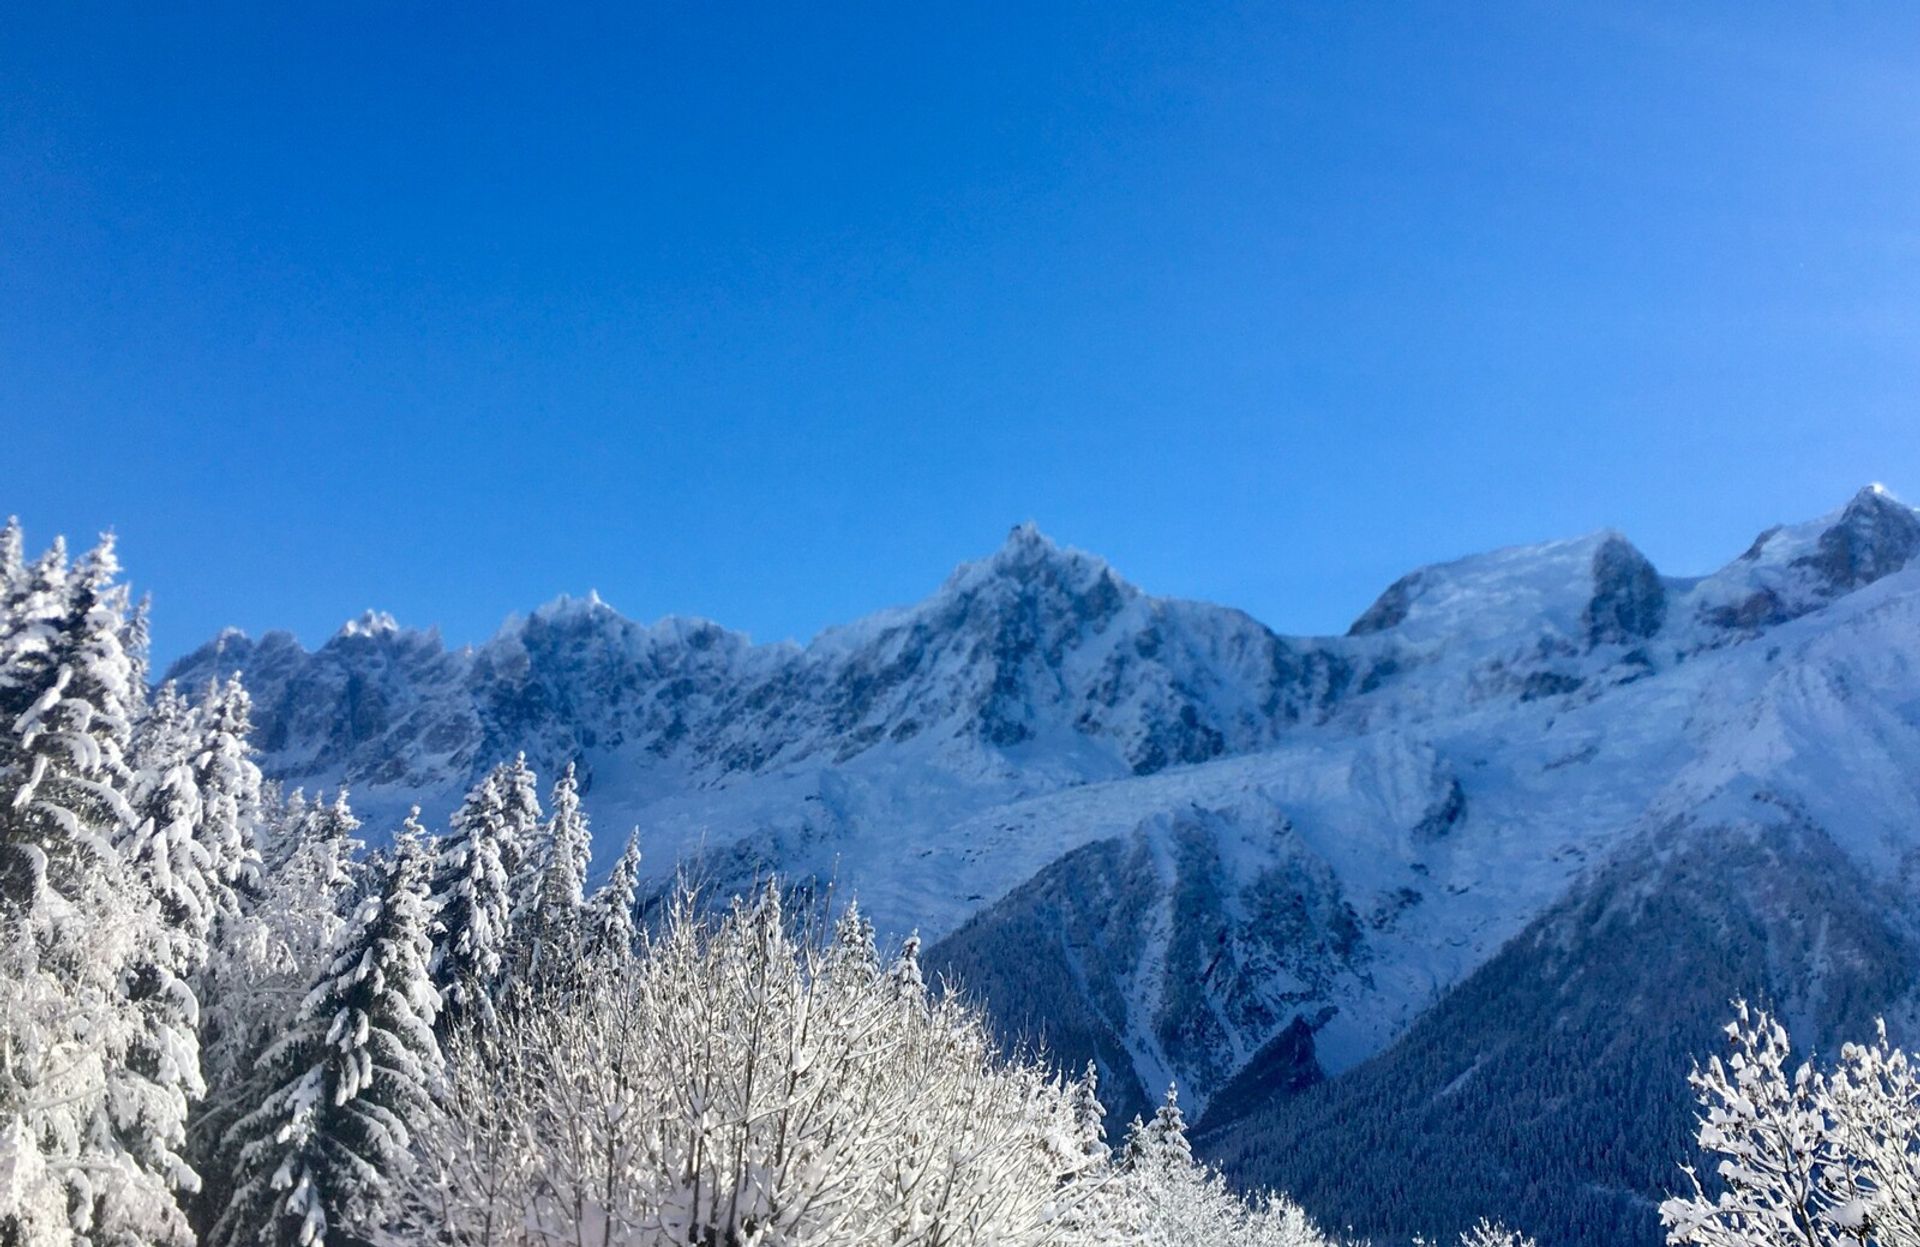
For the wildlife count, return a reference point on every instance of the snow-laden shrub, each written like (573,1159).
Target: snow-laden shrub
(731,1083)
(1807,1158)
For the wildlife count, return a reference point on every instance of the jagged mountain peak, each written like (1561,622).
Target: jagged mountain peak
(567,607)
(369,623)
(1876,534)
(1793,569)
(1028,557)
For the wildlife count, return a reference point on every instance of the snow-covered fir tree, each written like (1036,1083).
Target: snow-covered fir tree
(231,793)
(608,920)
(349,1084)
(262,965)
(94,1072)
(1163,1140)
(473,903)
(1090,1119)
(521,848)
(162,844)
(909,983)
(163,853)
(550,927)
(855,950)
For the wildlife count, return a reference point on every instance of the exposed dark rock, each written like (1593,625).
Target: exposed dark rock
(1445,815)
(1629,603)
(1541,684)
(1390,609)
(1761,609)
(1875,536)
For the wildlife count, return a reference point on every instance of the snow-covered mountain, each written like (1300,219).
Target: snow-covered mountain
(1156,832)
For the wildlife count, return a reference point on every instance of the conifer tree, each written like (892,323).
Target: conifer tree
(68,700)
(854,951)
(350,1082)
(905,974)
(260,969)
(521,847)
(551,928)
(473,905)
(1162,1141)
(161,845)
(13,559)
(1090,1118)
(608,919)
(163,856)
(231,793)
(95,1079)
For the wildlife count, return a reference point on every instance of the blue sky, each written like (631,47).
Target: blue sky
(775,314)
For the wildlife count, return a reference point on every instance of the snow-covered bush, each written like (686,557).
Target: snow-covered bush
(730,1083)
(1808,1158)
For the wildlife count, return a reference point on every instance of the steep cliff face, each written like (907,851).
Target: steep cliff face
(1155,833)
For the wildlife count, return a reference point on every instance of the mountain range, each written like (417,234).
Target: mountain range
(1424,920)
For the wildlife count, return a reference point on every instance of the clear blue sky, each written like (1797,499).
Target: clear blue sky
(774,314)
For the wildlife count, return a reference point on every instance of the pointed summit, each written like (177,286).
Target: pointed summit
(567,608)
(369,623)
(1029,557)
(1025,545)
(1876,535)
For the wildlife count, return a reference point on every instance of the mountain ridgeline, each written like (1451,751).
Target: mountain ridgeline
(1426,917)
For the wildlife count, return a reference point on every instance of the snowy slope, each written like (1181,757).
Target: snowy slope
(1153,828)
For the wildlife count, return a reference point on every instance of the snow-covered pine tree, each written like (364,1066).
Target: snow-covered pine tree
(246,949)
(231,793)
(13,557)
(162,853)
(263,963)
(521,847)
(349,1084)
(161,845)
(474,905)
(85,1106)
(329,837)
(550,929)
(855,954)
(1162,1141)
(67,701)
(1090,1119)
(608,920)
(909,983)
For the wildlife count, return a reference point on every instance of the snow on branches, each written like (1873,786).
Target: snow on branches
(733,1082)
(1808,1158)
